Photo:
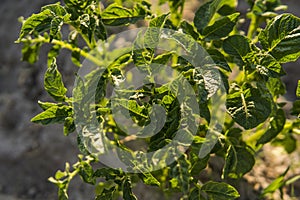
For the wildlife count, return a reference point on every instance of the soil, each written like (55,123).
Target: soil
(30,153)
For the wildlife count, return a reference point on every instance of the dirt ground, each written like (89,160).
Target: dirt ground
(30,153)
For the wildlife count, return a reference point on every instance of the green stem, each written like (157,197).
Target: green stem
(65,45)
(253,26)
(91,44)
(177,15)
(245,78)
(181,10)
(86,39)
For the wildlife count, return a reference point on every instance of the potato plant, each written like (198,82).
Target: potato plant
(166,116)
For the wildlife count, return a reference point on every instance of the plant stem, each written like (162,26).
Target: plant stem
(65,45)
(253,26)
(245,73)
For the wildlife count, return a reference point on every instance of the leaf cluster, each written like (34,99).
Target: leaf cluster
(254,116)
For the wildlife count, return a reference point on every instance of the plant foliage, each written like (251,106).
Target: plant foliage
(254,115)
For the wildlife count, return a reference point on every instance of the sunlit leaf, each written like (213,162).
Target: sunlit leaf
(205,13)
(53,83)
(276,184)
(127,191)
(221,27)
(54,114)
(238,161)
(281,38)
(115,15)
(298,89)
(276,125)
(248,107)
(220,191)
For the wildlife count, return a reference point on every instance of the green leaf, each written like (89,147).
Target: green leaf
(195,194)
(62,184)
(225,79)
(281,38)
(180,174)
(132,106)
(62,194)
(59,175)
(30,52)
(195,53)
(87,25)
(238,161)
(116,76)
(174,4)
(55,28)
(121,61)
(75,57)
(53,83)
(228,7)
(292,180)
(149,179)
(152,35)
(219,59)
(296,108)
(142,8)
(248,106)
(276,184)
(56,9)
(100,30)
(79,92)
(276,125)
(46,105)
(69,126)
(108,173)
(72,39)
(269,66)
(204,111)
(141,55)
(86,172)
(107,194)
(162,58)
(95,79)
(54,114)
(287,141)
(263,7)
(189,29)
(205,13)
(298,89)
(220,191)
(221,27)
(36,23)
(158,21)
(198,164)
(237,46)
(76,8)
(53,53)
(115,15)
(127,191)
(276,86)
(234,135)
(210,79)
